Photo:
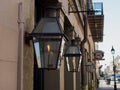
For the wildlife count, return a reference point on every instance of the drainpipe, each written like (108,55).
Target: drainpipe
(20,46)
(90,58)
(83,70)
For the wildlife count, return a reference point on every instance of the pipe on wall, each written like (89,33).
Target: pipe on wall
(83,73)
(20,46)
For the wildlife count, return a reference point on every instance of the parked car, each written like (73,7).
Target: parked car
(112,77)
(117,77)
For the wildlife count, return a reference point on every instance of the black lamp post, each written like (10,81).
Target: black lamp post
(114,68)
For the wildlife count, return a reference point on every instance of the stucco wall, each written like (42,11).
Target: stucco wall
(8,44)
(28,60)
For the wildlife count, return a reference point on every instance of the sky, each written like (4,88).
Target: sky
(111,10)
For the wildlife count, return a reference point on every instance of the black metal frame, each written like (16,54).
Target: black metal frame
(114,70)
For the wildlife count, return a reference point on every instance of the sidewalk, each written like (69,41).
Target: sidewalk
(104,86)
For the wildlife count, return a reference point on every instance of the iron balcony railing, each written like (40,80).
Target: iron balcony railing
(97,8)
(96,20)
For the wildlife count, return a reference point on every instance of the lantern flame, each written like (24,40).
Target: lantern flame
(48,47)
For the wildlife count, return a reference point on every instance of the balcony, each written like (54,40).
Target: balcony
(96,21)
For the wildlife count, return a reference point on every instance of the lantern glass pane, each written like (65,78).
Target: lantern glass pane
(113,52)
(68,65)
(73,63)
(36,45)
(79,63)
(61,53)
(49,52)
(88,68)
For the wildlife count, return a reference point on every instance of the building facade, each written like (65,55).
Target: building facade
(18,62)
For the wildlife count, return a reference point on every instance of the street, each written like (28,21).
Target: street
(104,86)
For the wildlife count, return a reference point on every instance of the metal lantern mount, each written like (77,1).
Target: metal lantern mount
(73,57)
(48,39)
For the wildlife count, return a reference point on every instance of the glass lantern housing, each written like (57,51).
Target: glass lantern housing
(88,66)
(49,42)
(73,57)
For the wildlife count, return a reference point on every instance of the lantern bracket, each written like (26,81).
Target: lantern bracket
(27,37)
